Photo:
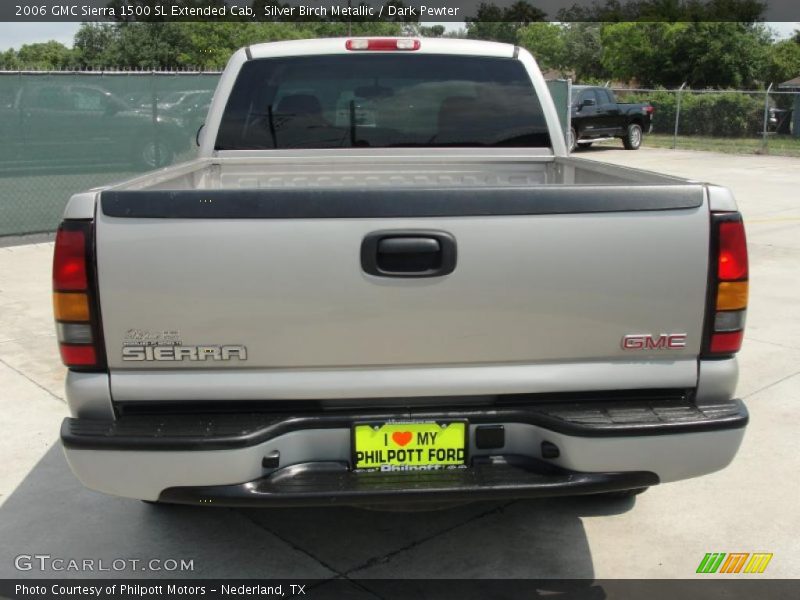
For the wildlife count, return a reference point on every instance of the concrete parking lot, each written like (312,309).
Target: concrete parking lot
(752,506)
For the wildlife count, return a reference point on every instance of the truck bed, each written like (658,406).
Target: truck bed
(343,169)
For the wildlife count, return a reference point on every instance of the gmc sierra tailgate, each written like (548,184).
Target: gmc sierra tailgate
(572,281)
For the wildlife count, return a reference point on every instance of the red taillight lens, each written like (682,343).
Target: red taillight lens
(728,286)
(383,44)
(732,259)
(78,356)
(69,262)
(726,343)
(77,323)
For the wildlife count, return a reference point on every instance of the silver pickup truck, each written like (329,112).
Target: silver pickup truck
(383,281)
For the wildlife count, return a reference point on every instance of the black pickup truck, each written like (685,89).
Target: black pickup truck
(596,115)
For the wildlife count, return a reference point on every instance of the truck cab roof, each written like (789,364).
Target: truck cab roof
(338,46)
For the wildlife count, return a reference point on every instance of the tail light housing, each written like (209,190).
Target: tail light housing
(382,44)
(728,286)
(75,305)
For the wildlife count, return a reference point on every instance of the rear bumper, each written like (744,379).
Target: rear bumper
(219,458)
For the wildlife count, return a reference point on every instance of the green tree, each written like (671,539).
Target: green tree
(432,31)
(502,24)
(210,45)
(460,33)
(96,45)
(200,45)
(783,62)
(721,54)
(705,54)
(356,28)
(46,55)
(636,51)
(669,11)
(147,45)
(583,51)
(546,41)
(9,60)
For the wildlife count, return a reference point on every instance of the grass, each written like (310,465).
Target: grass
(777,145)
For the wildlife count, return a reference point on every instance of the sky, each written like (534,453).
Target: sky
(13,35)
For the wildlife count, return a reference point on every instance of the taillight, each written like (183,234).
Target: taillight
(69,261)
(728,286)
(74,298)
(382,44)
(649,109)
(732,259)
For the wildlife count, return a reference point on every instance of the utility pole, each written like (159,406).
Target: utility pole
(677,116)
(766,118)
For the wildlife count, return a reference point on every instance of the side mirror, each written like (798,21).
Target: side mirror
(588,102)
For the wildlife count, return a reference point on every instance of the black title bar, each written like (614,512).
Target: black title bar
(455,11)
(710,588)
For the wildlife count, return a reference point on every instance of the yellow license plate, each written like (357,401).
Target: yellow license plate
(409,446)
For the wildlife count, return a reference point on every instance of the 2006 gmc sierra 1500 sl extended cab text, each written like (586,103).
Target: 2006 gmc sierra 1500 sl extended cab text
(384,281)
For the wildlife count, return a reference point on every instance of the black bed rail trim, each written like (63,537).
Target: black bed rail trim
(396,203)
(329,483)
(240,430)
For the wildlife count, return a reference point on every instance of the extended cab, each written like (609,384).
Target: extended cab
(596,115)
(384,281)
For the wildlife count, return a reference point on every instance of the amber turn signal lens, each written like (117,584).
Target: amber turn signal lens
(71,307)
(732,295)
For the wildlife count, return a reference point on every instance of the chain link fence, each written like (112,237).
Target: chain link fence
(766,121)
(65,132)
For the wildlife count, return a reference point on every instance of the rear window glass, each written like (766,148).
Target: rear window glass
(380,101)
(589,95)
(611,98)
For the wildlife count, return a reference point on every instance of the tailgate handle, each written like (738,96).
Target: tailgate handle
(408,253)
(408,245)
